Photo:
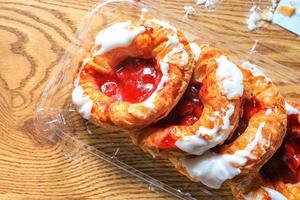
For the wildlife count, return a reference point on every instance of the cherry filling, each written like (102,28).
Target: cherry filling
(186,112)
(285,164)
(294,123)
(250,107)
(168,141)
(134,80)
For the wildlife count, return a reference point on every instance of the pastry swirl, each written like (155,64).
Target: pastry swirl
(216,115)
(134,74)
(279,178)
(217,121)
(258,135)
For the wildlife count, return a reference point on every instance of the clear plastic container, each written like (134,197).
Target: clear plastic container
(56,118)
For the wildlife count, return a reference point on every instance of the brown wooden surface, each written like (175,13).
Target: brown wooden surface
(33,37)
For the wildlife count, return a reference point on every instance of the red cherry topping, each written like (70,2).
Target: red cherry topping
(168,142)
(134,80)
(250,108)
(285,164)
(187,111)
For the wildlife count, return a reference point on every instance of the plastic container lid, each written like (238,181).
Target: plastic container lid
(56,118)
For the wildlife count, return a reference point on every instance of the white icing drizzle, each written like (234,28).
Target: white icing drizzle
(177,56)
(274,195)
(182,59)
(196,50)
(213,169)
(172,38)
(290,109)
(255,71)
(268,111)
(83,102)
(229,77)
(197,145)
(117,35)
(164,24)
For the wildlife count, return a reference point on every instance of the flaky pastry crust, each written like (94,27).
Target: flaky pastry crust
(213,101)
(270,122)
(255,186)
(267,96)
(256,144)
(153,43)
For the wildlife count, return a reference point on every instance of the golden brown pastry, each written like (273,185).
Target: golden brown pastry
(279,178)
(260,131)
(134,75)
(257,138)
(207,114)
(229,122)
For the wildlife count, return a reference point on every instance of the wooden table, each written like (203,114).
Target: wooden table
(33,36)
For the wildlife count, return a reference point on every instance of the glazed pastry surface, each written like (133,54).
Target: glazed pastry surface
(234,128)
(279,178)
(134,74)
(217,121)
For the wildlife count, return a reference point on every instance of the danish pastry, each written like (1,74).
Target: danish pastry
(260,132)
(250,95)
(216,121)
(134,74)
(279,178)
(206,115)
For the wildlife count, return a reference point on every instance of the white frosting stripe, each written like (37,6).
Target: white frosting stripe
(290,109)
(230,78)
(196,50)
(122,35)
(196,145)
(164,66)
(83,102)
(274,195)
(213,169)
(117,35)
(255,71)
(177,56)
(269,111)
(164,24)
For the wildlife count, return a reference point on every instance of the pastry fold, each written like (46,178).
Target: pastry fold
(242,124)
(218,121)
(149,38)
(279,177)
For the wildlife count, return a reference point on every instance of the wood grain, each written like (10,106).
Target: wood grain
(33,36)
